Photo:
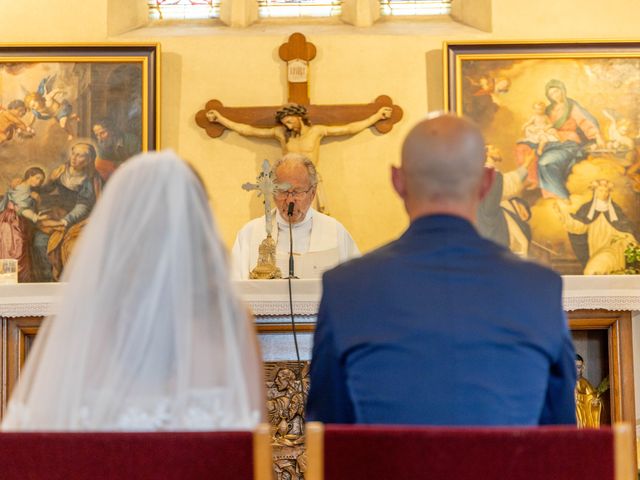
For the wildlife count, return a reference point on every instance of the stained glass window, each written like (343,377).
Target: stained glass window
(415,7)
(181,9)
(298,8)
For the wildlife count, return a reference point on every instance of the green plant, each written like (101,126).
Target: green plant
(603,387)
(632,259)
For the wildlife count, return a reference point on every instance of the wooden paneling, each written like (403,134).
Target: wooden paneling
(617,326)
(18,335)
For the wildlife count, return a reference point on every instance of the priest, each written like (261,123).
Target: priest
(321,239)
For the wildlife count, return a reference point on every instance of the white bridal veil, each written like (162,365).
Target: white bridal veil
(149,334)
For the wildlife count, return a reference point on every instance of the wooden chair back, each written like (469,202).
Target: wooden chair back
(136,455)
(353,452)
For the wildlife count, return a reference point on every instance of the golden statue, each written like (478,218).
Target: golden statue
(588,403)
(266,268)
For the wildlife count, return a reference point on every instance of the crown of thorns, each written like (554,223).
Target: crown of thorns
(291,109)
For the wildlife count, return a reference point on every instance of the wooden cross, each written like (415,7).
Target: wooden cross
(297,52)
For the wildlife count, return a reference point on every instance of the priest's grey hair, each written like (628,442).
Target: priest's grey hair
(302,160)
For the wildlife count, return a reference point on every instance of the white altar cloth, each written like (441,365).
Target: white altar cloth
(263,297)
(29,299)
(607,292)
(271,297)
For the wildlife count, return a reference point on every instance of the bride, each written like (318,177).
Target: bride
(149,334)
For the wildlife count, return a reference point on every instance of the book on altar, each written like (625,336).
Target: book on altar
(308,265)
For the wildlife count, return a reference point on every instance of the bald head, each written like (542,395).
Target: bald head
(443,159)
(443,168)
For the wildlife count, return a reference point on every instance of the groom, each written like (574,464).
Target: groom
(442,326)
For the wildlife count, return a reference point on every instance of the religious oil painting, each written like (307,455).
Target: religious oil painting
(69,116)
(562,126)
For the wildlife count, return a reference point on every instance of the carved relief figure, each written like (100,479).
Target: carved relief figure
(285,408)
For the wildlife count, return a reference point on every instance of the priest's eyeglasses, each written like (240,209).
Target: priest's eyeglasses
(292,193)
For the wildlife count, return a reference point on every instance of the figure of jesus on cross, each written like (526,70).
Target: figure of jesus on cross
(294,131)
(296,134)
(291,124)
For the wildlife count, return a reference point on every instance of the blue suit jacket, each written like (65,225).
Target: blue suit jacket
(442,327)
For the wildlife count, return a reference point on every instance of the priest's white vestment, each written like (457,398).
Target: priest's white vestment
(315,233)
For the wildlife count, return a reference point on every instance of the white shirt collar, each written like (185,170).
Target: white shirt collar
(282,222)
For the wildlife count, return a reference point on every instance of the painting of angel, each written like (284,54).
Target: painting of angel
(562,133)
(68,118)
(48,102)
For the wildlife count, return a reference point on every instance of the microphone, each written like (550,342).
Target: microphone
(289,215)
(291,275)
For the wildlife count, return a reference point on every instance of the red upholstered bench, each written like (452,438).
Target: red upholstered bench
(131,456)
(337,452)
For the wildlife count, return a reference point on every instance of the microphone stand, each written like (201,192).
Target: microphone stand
(291,275)
(289,214)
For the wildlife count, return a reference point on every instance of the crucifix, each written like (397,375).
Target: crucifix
(299,126)
(266,186)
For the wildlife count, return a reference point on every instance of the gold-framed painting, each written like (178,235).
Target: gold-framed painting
(561,121)
(69,116)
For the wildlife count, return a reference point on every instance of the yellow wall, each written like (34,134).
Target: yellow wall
(402,59)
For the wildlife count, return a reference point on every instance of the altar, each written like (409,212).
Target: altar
(600,311)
